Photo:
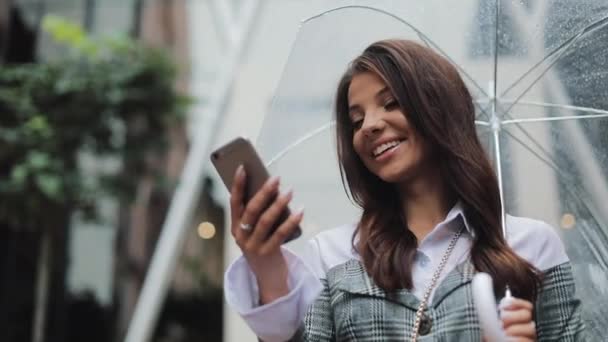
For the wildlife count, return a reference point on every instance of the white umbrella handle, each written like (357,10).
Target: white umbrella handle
(485,304)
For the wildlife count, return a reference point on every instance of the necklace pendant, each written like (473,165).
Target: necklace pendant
(423,323)
(426,324)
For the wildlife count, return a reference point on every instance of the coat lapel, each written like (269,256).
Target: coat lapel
(356,281)
(460,276)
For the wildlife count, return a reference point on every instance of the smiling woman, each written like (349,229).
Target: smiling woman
(411,159)
(436,119)
(382,137)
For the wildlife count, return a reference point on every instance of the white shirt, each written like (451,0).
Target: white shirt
(533,240)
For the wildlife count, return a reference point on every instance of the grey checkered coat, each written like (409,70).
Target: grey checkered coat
(352,308)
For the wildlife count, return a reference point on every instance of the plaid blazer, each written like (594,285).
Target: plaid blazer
(352,308)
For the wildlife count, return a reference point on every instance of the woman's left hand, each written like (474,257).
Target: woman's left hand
(516,317)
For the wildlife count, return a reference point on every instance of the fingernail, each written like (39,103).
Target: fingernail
(240,170)
(274,181)
(300,211)
(288,193)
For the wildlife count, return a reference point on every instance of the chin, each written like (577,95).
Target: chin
(394,176)
(401,172)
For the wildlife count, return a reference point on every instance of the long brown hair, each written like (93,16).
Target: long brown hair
(440,108)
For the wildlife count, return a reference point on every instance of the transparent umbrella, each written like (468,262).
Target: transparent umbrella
(539,74)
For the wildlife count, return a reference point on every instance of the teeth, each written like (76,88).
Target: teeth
(382,148)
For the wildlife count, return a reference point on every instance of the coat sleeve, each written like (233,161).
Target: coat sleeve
(558,310)
(318,323)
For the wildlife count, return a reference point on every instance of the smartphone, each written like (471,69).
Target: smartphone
(227,158)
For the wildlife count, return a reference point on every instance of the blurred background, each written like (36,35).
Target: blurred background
(100,102)
(96,98)
(109,108)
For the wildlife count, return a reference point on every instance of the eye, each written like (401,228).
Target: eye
(391,105)
(356,124)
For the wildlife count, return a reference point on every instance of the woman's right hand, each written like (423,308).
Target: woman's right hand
(260,246)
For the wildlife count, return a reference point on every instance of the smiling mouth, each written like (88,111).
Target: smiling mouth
(382,149)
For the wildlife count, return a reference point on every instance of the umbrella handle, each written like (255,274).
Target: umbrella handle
(485,304)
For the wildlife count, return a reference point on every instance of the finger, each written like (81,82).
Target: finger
(527,330)
(511,317)
(269,218)
(260,201)
(237,192)
(283,232)
(520,339)
(513,303)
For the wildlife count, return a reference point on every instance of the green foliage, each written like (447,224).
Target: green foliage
(107,98)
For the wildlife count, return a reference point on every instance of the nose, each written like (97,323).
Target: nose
(372,125)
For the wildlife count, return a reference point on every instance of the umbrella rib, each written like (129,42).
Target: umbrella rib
(536,143)
(593,242)
(495,57)
(302,139)
(424,37)
(558,105)
(555,118)
(501,191)
(533,141)
(547,160)
(533,83)
(426,42)
(572,189)
(429,43)
(600,113)
(482,112)
(561,49)
(478,104)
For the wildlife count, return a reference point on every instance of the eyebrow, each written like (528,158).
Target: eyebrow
(382,92)
(379,94)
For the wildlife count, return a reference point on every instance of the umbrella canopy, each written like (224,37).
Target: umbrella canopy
(538,72)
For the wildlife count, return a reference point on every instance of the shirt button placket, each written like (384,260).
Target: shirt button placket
(422,259)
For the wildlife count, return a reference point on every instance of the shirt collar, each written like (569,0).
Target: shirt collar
(451,219)
(452,222)
(457,211)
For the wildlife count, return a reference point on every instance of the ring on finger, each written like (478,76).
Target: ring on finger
(245,226)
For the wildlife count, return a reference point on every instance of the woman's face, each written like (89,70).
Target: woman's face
(382,137)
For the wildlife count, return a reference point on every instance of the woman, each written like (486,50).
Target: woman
(411,159)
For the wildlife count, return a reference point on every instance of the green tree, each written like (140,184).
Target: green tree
(105,98)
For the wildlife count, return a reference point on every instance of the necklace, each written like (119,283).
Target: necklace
(429,288)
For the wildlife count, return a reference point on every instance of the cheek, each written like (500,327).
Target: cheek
(358,145)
